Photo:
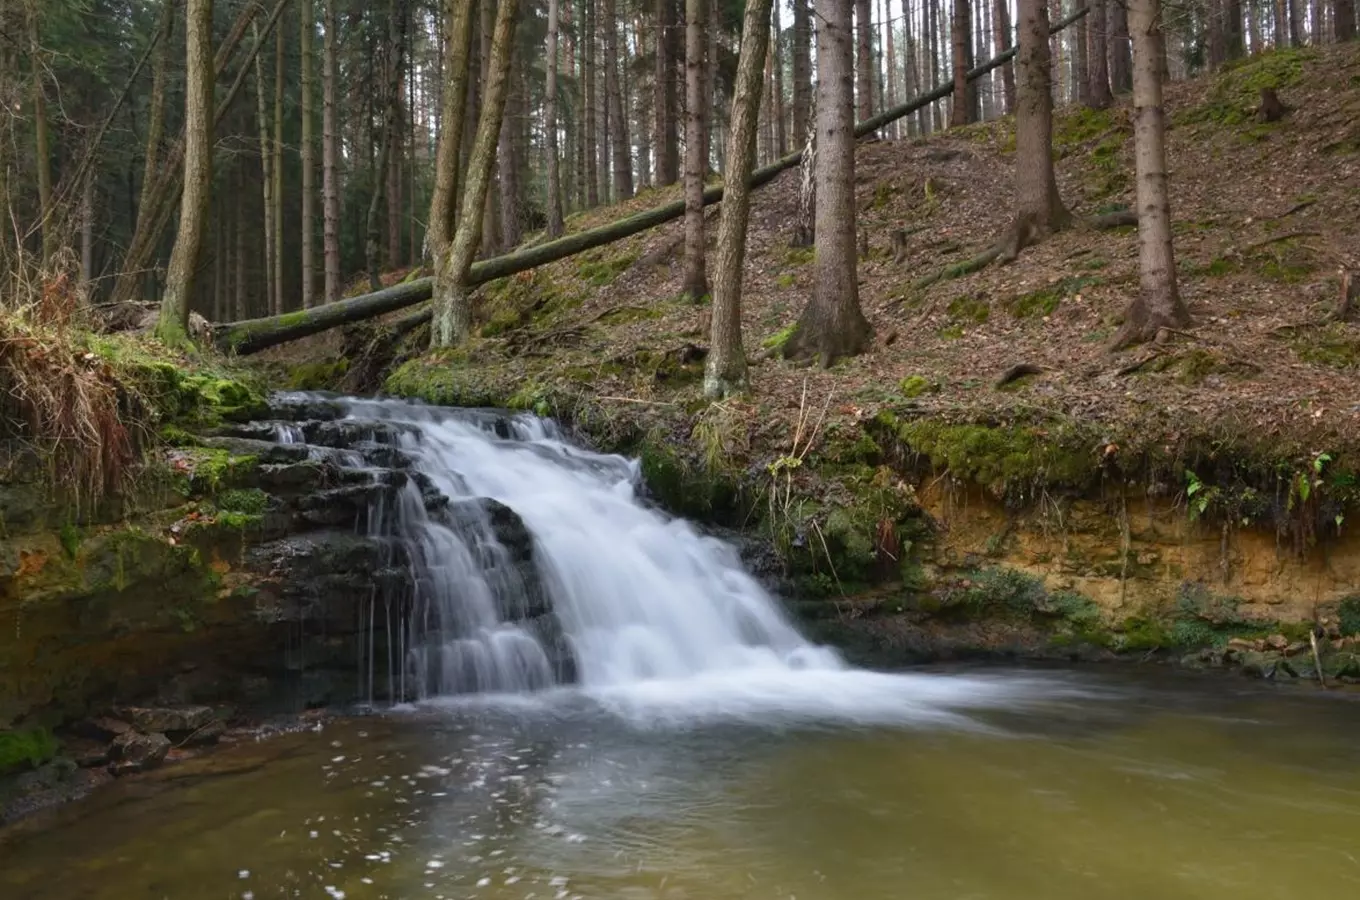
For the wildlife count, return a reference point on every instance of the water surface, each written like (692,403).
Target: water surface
(1039,788)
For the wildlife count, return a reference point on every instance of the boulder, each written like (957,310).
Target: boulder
(136,752)
(168,719)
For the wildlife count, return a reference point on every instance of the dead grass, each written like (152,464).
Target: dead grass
(60,401)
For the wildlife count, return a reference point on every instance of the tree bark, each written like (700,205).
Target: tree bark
(890,41)
(330,156)
(1039,209)
(306,39)
(453,312)
(864,58)
(396,42)
(664,143)
(725,366)
(590,149)
(1158,304)
(172,325)
(508,172)
(694,284)
(832,325)
(550,114)
(155,123)
(253,335)
(1001,26)
(802,69)
(623,163)
(964,109)
(1098,94)
(277,171)
(1081,75)
(1121,58)
(453,106)
(42,150)
(1343,20)
(266,180)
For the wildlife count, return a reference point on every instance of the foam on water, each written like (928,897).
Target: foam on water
(663,623)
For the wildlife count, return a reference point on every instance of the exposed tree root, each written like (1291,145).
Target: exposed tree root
(1018,371)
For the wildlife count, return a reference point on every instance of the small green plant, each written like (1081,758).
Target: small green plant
(780,337)
(914,386)
(26,748)
(1199,497)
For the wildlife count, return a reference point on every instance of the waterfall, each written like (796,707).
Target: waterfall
(619,592)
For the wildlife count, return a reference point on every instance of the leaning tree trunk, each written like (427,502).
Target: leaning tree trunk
(695,281)
(453,309)
(172,325)
(550,114)
(832,324)
(964,110)
(725,367)
(1158,304)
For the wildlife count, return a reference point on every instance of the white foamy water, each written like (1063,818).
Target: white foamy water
(663,623)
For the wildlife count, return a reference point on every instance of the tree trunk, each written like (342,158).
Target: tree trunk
(1295,24)
(491,205)
(694,284)
(1001,27)
(277,171)
(266,180)
(508,183)
(864,58)
(453,309)
(1039,209)
(725,366)
(623,164)
(664,142)
(1215,38)
(1098,93)
(306,38)
(453,106)
(172,325)
(912,39)
(550,114)
(87,237)
(1233,32)
(1343,19)
(330,156)
(964,109)
(781,135)
(253,335)
(641,98)
(42,150)
(590,148)
(802,69)
(930,18)
(890,94)
(1121,58)
(155,123)
(391,95)
(1081,75)
(1158,304)
(832,324)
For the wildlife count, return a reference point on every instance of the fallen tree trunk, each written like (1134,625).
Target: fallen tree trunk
(253,335)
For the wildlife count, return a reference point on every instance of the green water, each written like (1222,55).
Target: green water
(1156,790)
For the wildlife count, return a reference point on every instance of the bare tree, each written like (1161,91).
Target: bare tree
(1001,30)
(1158,304)
(550,115)
(391,125)
(695,282)
(1039,209)
(452,307)
(267,182)
(864,58)
(725,368)
(664,100)
(172,325)
(1121,59)
(1343,19)
(832,325)
(453,108)
(622,158)
(802,68)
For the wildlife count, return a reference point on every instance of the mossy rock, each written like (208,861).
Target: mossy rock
(687,488)
(447,378)
(25,749)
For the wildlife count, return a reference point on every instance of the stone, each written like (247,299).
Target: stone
(87,753)
(1277,642)
(207,734)
(168,719)
(1296,648)
(101,728)
(136,752)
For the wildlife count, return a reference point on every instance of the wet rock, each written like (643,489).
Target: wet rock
(1258,665)
(1297,647)
(264,451)
(87,753)
(101,728)
(297,407)
(205,735)
(1277,642)
(174,720)
(135,752)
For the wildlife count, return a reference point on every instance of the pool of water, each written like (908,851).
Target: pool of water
(1080,785)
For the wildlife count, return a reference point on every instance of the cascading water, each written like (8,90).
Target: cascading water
(536,564)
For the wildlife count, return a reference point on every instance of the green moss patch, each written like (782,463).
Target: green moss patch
(1335,345)
(1235,94)
(25,749)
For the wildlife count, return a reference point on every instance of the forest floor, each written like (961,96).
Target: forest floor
(1265,217)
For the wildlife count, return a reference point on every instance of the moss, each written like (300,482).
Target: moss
(206,470)
(780,337)
(1348,611)
(1005,458)
(969,309)
(1235,94)
(446,378)
(252,501)
(1081,124)
(600,269)
(786,280)
(1044,301)
(799,256)
(317,376)
(914,386)
(884,192)
(69,535)
(26,748)
(687,488)
(1334,345)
